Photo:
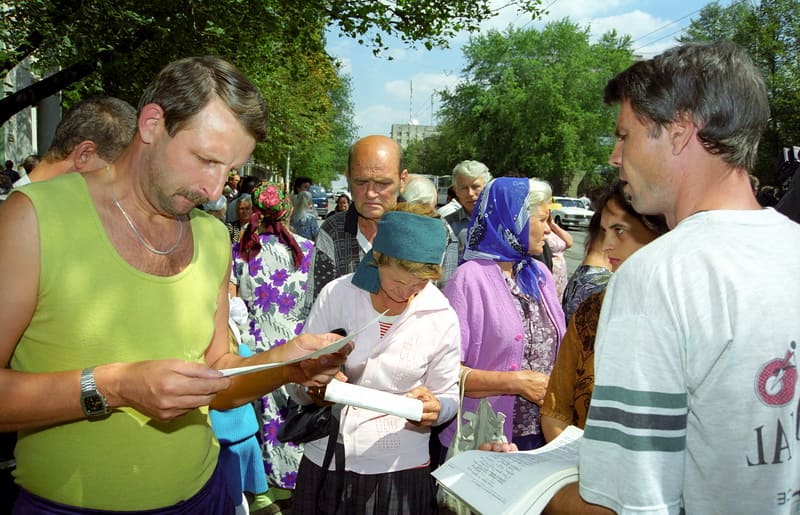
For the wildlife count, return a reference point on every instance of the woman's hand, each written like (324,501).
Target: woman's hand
(430,405)
(317,393)
(531,385)
(498,447)
(558,231)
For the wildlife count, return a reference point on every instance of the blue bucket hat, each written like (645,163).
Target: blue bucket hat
(406,236)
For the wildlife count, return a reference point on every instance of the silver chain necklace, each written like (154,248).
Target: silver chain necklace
(136,231)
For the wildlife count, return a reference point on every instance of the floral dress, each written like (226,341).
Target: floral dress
(585,281)
(272,288)
(541,347)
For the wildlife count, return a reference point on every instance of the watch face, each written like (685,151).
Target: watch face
(93,404)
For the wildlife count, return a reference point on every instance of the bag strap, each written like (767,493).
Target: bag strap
(333,448)
(462,382)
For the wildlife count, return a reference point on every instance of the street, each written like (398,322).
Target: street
(574,255)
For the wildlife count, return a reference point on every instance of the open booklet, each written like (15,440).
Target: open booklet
(496,483)
(328,349)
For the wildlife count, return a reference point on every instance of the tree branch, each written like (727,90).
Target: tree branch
(33,94)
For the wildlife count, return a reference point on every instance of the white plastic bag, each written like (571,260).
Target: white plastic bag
(482,426)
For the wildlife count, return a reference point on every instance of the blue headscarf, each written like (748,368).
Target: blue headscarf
(499,230)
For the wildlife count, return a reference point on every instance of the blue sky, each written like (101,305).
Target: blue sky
(382,89)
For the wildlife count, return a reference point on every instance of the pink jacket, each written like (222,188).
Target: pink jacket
(420,349)
(491,329)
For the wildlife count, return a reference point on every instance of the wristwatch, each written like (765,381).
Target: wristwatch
(93,403)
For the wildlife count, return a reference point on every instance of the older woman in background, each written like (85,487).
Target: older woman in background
(244,210)
(419,189)
(304,218)
(270,270)
(509,313)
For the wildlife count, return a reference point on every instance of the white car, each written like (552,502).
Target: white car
(570,212)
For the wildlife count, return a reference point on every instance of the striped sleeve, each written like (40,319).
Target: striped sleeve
(633,451)
(638,420)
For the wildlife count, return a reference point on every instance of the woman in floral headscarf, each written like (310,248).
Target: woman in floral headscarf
(509,312)
(270,270)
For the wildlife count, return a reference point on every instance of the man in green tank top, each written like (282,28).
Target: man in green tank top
(116,308)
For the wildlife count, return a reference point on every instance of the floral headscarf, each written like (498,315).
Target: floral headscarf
(499,230)
(271,209)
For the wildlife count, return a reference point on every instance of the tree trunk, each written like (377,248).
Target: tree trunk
(575,181)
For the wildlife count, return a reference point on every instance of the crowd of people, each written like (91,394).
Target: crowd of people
(126,308)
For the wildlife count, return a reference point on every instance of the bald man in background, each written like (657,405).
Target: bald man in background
(376,176)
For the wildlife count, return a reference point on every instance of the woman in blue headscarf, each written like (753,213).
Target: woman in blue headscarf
(509,312)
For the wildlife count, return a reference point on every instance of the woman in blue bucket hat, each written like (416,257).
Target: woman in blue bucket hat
(413,351)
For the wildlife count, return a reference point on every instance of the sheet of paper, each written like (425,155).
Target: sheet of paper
(375,400)
(329,349)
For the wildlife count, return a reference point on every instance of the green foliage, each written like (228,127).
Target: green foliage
(431,22)
(280,47)
(771,34)
(435,155)
(115,47)
(323,159)
(717,22)
(531,104)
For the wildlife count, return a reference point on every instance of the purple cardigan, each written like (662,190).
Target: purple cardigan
(491,329)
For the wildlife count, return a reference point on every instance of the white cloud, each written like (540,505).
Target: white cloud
(581,9)
(345,65)
(660,33)
(397,89)
(378,119)
(397,53)
(337,44)
(397,108)
(649,33)
(573,9)
(424,84)
(426,102)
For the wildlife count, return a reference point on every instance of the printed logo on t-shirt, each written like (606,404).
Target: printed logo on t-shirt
(776,380)
(776,438)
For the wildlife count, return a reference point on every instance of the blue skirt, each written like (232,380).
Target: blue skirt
(243,467)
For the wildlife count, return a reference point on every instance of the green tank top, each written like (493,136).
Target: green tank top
(95,308)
